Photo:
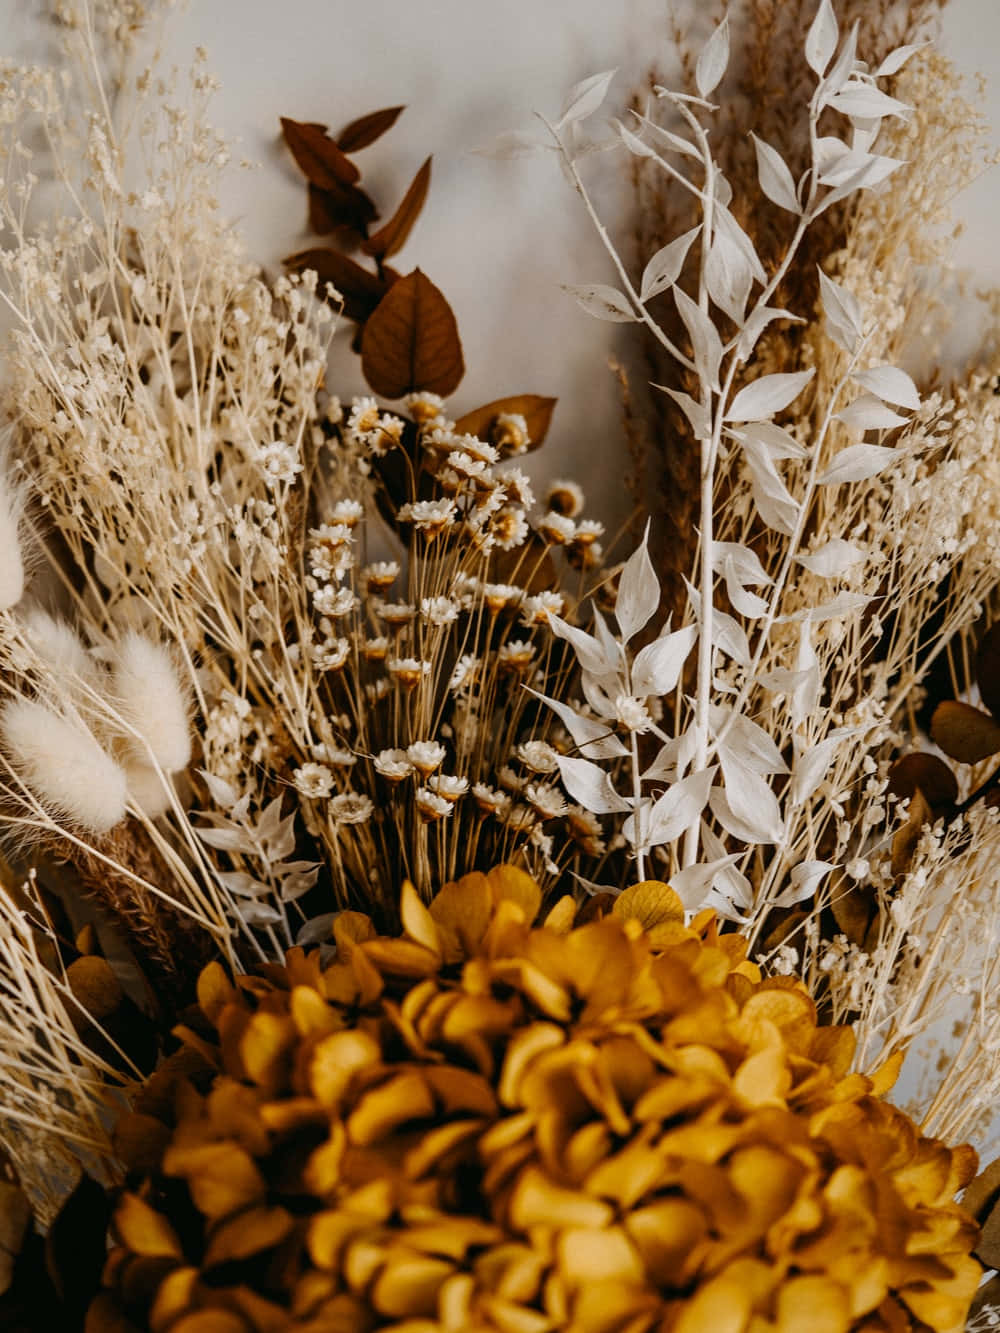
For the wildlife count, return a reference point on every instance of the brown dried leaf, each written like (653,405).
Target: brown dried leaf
(323,163)
(926,771)
(853,910)
(15,1219)
(345,210)
(94,985)
(905,839)
(366,129)
(988,669)
(390,238)
(536,410)
(966,733)
(362,291)
(983,1193)
(411,341)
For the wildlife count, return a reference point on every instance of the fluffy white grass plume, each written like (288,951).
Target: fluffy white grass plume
(63,765)
(150,700)
(147,789)
(11,555)
(57,644)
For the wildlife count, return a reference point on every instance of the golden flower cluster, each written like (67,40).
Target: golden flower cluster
(600,1123)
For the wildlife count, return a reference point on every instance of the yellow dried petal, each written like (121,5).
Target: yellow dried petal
(321,1174)
(651,902)
(722,1305)
(438,1143)
(211,1321)
(410,1286)
(144,1230)
(763,1079)
(401,958)
(335,1060)
(221,1177)
(462,910)
(173,1296)
(509,884)
(380,1110)
(264,1048)
(561,915)
(589,1255)
(665,1233)
(249,1233)
(790,1010)
(311,1013)
(524,1047)
(538,1201)
(417,922)
(215,991)
(812,1304)
(884,1078)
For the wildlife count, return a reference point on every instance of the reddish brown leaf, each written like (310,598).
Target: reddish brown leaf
(366,129)
(905,839)
(928,773)
(317,154)
(536,410)
(988,669)
(346,211)
(361,290)
(411,341)
(390,238)
(966,733)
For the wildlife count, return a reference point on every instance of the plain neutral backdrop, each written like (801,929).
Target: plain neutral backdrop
(497,236)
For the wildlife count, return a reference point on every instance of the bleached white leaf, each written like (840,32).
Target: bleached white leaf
(705,341)
(589,652)
(842,310)
(862,171)
(590,786)
(693,883)
(294,886)
(726,223)
(765,396)
(749,742)
(222,793)
(870,413)
(664,267)
(242,884)
(842,68)
(584,98)
(774,176)
(746,563)
(770,495)
(657,667)
(890,384)
(227,840)
(674,758)
(638,591)
(805,879)
(728,277)
(778,442)
(821,39)
(806,696)
(638,147)
(591,887)
(784,681)
(730,884)
(895,60)
(827,153)
(667,139)
(696,413)
(713,59)
(727,634)
(748,604)
(857,462)
(600,693)
(679,808)
(603,302)
(756,817)
(317,930)
(260,914)
(593,738)
(863,101)
(832,558)
(845,604)
(757,322)
(811,766)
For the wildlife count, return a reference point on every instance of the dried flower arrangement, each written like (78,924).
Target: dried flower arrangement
(414,920)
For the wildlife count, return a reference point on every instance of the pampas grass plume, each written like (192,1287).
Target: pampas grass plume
(63,765)
(147,789)
(11,555)
(150,699)
(58,644)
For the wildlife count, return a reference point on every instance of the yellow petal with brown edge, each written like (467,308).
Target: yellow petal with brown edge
(311,1013)
(409,1286)
(665,1233)
(833,1046)
(462,910)
(438,1143)
(884,1077)
(513,1271)
(460,1089)
(173,1296)
(790,1010)
(248,1233)
(221,1177)
(510,884)
(144,1230)
(763,1079)
(650,902)
(215,991)
(587,1255)
(418,923)
(721,1305)
(264,1049)
(538,1201)
(401,958)
(401,1099)
(335,1061)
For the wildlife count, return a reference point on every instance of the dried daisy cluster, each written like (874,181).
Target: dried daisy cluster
(491,1124)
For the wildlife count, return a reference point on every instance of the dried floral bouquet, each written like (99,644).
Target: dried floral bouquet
(412,919)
